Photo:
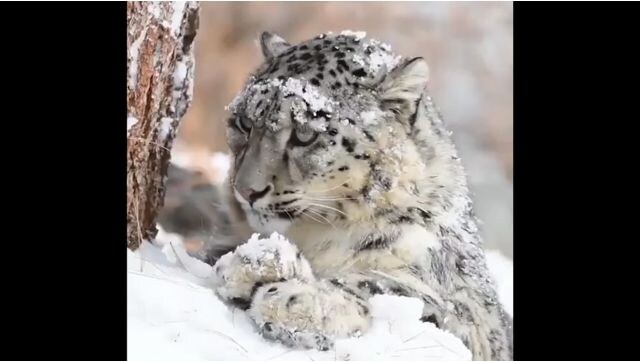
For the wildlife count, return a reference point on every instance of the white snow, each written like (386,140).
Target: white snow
(501,270)
(176,17)
(154,9)
(381,56)
(309,93)
(131,121)
(315,100)
(249,86)
(356,34)
(369,118)
(182,78)
(318,125)
(298,109)
(358,59)
(379,59)
(134,50)
(256,249)
(165,127)
(180,73)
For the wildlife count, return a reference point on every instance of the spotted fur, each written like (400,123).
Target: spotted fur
(338,146)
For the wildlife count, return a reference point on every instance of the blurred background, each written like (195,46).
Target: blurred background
(469,48)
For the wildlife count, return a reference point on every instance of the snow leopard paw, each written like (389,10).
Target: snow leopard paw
(238,274)
(307,315)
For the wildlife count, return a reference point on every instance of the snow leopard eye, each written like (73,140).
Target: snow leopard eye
(301,138)
(237,143)
(237,134)
(244,124)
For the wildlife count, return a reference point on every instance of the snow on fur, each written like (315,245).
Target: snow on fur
(356,34)
(314,100)
(308,92)
(381,57)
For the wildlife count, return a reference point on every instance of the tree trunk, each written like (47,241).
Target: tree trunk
(159,91)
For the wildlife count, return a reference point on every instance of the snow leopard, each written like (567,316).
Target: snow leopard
(337,145)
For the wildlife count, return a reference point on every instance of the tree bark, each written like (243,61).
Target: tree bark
(160,68)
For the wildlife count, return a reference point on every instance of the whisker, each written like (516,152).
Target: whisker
(328,198)
(288,211)
(315,212)
(328,207)
(322,216)
(304,213)
(329,189)
(289,215)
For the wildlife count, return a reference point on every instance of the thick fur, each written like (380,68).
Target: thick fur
(355,167)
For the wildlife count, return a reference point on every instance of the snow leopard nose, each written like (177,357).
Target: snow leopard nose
(252,195)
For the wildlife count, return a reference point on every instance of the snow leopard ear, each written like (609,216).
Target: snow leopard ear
(272,45)
(402,89)
(406,82)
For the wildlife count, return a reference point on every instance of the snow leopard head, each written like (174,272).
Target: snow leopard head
(328,131)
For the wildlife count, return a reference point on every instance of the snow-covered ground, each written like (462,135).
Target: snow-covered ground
(174,314)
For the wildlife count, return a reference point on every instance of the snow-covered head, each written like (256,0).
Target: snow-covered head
(326,126)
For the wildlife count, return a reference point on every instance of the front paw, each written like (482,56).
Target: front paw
(296,338)
(291,313)
(259,261)
(307,315)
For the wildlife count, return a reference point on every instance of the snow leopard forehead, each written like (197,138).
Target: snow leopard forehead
(327,77)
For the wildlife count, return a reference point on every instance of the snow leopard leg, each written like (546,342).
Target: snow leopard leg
(313,314)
